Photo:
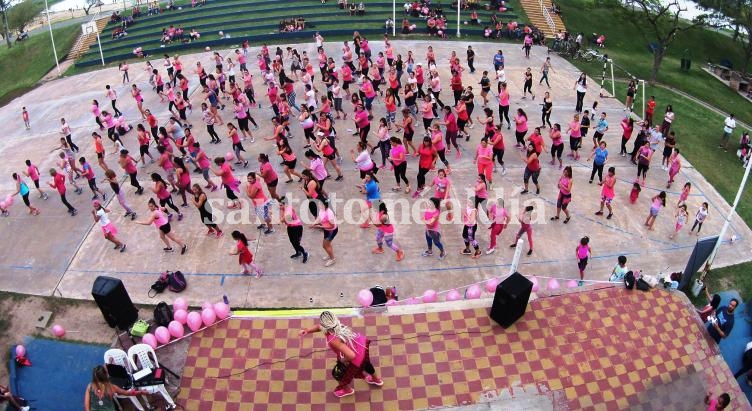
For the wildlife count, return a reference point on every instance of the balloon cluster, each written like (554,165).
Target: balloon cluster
(4,204)
(194,320)
(364,297)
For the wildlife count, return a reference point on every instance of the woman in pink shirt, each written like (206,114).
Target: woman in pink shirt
(484,160)
(452,130)
(398,158)
(504,105)
(499,217)
(565,194)
(363,124)
(437,139)
(575,137)
(294,228)
(607,192)
(426,110)
(520,127)
(557,144)
(229,181)
(162,223)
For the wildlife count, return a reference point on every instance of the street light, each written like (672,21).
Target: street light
(727,221)
(459,6)
(52,39)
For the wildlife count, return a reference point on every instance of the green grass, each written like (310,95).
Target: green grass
(721,279)
(626,46)
(23,65)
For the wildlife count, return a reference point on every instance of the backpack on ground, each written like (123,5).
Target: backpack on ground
(163,314)
(629,280)
(176,281)
(642,285)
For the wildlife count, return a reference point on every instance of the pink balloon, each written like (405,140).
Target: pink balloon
(572,284)
(176,329)
(365,298)
(179,304)
(222,310)
(208,316)
(453,295)
(180,316)
(553,284)
(162,334)
(9,200)
(20,351)
(473,292)
(3,205)
(229,156)
(536,286)
(430,296)
(392,302)
(206,305)
(150,340)
(194,321)
(413,300)
(491,285)
(58,330)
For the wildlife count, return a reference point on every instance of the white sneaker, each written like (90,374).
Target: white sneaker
(330,263)
(503,171)
(490,251)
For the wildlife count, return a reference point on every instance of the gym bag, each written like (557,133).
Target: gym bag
(163,314)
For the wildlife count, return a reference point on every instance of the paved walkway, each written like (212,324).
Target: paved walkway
(605,349)
(56,254)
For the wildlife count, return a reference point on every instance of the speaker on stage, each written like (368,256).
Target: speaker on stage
(510,299)
(114,302)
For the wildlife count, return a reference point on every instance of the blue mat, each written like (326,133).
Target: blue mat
(732,347)
(58,375)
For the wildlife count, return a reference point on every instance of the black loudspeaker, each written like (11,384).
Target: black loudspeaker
(510,299)
(114,302)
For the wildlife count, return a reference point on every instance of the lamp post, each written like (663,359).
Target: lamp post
(459,7)
(52,39)
(394,18)
(730,215)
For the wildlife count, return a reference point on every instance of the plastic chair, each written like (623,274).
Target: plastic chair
(119,357)
(144,355)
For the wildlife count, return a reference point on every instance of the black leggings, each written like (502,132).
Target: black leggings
(72,145)
(623,145)
(498,153)
(697,224)
(442,156)
(580,100)
(400,173)
(642,169)
(168,202)
(504,115)
(520,136)
(422,177)
(546,118)
(557,151)
(212,133)
(597,168)
(295,234)
(230,194)
(71,209)
(383,147)
(436,97)
(134,181)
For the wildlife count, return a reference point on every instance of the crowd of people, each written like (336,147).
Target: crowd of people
(414,99)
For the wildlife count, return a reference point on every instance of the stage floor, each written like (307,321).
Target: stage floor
(606,348)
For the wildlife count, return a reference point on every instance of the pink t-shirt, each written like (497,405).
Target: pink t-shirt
(608,192)
(397,153)
(440,187)
(484,154)
(427,216)
(361,118)
(438,141)
(520,123)
(33,172)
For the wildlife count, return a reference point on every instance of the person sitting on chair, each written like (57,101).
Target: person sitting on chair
(100,393)
(361,9)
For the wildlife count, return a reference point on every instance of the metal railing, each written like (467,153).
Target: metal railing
(547,16)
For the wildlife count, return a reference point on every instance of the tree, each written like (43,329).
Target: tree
(22,14)
(89,5)
(659,23)
(744,20)
(4,9)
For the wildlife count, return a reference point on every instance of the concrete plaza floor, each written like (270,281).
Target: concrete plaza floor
(56,254)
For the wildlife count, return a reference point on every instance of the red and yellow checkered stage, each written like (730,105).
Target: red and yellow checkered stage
(602,349)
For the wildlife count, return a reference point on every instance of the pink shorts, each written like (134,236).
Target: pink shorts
(109,229)
(678,226)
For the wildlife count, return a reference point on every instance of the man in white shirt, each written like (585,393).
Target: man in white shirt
(728,127)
